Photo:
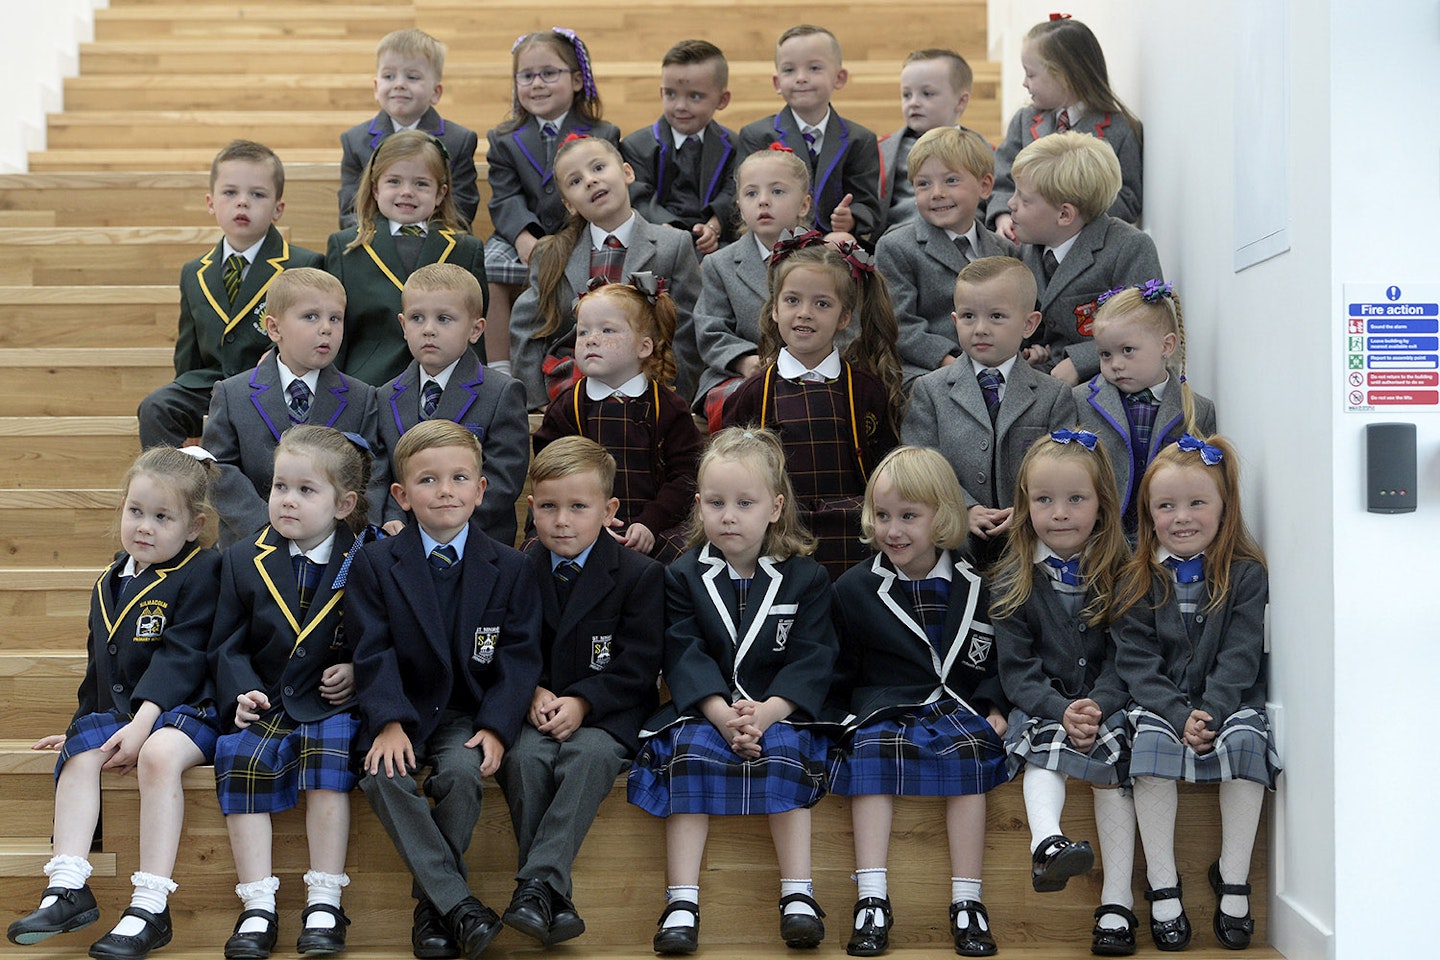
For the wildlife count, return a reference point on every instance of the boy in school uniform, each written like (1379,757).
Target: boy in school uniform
(952,170)
(444,313)
(843,158)
(601,638)
(685,162)
(293,383)
(408,68)
(222,294)
(1064,183)
(935,88)
(447,654)
(983,413)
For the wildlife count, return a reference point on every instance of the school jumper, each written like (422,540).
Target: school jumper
(662,191)
(1030,124)
(358,144)
(848,162)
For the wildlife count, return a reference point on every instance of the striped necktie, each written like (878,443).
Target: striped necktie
(990,382)
(430,400)
(549,133)
(1062,121)
(811,136)
(299,401)
(412,230)
(307,579)
(234,267)
(444,557)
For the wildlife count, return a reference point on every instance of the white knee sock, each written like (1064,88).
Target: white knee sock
(681,918)
(1044,802)
(873,882)
(65,871)
(964,888)
(151,893)
(257,895)
(789,886)
(1155,804)
(1115,826)
(1240,802)
(323,888)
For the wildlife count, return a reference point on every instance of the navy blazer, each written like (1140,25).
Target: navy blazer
(651,154)
(151,645)
(523,192)
(888,665)
(262,641)
(359,142)
(490,405)
(407,648)
(605,645)
(849,162)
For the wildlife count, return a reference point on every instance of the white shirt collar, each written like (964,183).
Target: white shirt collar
(1004,369)
(249,253)
(972,236)
(396,225)
(1042,551)
(1158,390)
(680,138)
(559,122)
(791,369)
(132,568)
(318,554)
(943,569)
(311,379)
(623,233)
(443,377)
(429,543)
(764,250)
(1063,249)
(632,388)
(820,127)
(1076,110)
(579,558)
(1162,554)
(409,126)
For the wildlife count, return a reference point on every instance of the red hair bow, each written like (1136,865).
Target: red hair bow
(575,136)
(1059,16)
(777,145)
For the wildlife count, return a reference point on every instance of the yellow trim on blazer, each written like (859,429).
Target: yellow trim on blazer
(445,232)
(850,399)
(112,625)
(300,634)
(275,266)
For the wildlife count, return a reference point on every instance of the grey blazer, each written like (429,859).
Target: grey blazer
(1030,124)
(733,291)
(523,192)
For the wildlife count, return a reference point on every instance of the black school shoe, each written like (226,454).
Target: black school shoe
(801,931)
(1234,933)
(565,921)
(529,910)
(1169,935)
(1106,942)
(73,909)
(156,934)
(429,937)
(1056,860)
(473,925)
(257,944)
(670,941)
(319,941)
(871,939)
(973,940)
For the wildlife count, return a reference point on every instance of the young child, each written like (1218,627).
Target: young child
(1077,251)
(284,685)
(295,383)
(950,170)
(983,414)
(1069,89)
(1053,589)
(222,294)
(408,69)
(604,237)
(1133,405)
(935,88)
(146,704)
(748,655)
(406,219)
(442,315)
(603,629)
(1190,645)
(836,416)
(555,96)
(684,163)
(917,691)
(773,189)
(841,155)
(622,349)
(446,631)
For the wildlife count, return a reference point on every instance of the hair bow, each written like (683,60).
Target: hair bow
(360,443)
(1085,438)
(1153,290)
(860,261)
(518,40)
(777,145)
(444,154)
(572,137)
(791,240)
(1100,300)
(582,57)
(1210,455)
(198,452)
(648,284)
(1059,16)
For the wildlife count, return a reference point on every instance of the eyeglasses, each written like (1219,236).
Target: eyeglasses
(526,78)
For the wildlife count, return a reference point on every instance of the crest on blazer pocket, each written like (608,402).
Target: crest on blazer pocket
(1085,318)
(337,642)
(600,651)
(485,640)
(782,634)
(982,642)
(150,621)
(257,319)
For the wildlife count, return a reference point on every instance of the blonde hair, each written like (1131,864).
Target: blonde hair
(405,145)
(1105,550)
(290,285)
(448,277)
(962,78)
(761,451)
(413,43)
(248,151)
(808,30)
(795,168)
(188,478)
(956,148)
(990,268)
(654,320)
(1073,168)
(568,456)
(1071,53)
(1161,315)
(344,464)
(431,435)
(920,475)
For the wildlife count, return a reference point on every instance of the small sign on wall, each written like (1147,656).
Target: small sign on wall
(1391,335)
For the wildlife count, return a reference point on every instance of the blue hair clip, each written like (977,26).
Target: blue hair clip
(1210,455)
(359,442)
(1085,438)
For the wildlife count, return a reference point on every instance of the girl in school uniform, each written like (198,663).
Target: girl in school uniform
(285,685)
(405,219)
(917,691)
(749,649)
(622,401)
(146,704)
(554,97)
(1053,588)
(1190,645)
(837,415)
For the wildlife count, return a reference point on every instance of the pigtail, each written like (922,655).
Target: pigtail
(660,365)
(874,350)
(551,256)
(1187,396)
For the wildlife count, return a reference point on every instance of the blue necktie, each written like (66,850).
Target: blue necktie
(431,400)
(444,557)
(810,138)
(307,578)
(1069,570)
(299,401)
(990,382)
(1187,571)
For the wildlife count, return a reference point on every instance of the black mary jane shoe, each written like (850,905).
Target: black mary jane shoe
(1056,860)
(73,909)
(256,944)
(871,939)
(156,934)
(801,931)
(1234,933)
(529,910)
(429,937)
(319,941)
(972,940)
(670,941)
(1169,935)
(565,921)
(1108,942)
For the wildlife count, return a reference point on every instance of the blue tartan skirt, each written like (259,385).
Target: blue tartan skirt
(263,768)
(943,749)
(502,262)
(1244,750)
(1044,743)
(201,725)
(689,768)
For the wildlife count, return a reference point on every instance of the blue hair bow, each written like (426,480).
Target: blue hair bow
(1085,438)
(1210,455)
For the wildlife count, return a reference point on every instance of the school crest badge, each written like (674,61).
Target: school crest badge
(485,640)
(257,319)
(1085,318)
(150,622)
(600,651)
(782,634)
(979,650)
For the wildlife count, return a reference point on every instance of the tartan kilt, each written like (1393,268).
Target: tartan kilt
(942,749)
(689,768)
(502,262)
(263,768)
(836,526)
(1244,750)
(200,725)
(1044,743)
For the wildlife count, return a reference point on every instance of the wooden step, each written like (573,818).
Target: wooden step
(27,218)
(257,22)
(153,159)
(27,856)
(47,452)
(64,382)
(57,528)
(46,608)
(100,255)
(94,317)
(33,698)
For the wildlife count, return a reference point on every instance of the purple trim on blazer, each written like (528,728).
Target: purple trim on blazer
(545,175)
(667,148)
(719,167)
(1097,383)
(397,389)
(376,135)
(818,187)
(256,390)
(338,392)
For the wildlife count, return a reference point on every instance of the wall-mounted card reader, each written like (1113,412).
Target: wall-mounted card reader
(1390,467)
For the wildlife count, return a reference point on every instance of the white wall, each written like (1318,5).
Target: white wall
(39,47)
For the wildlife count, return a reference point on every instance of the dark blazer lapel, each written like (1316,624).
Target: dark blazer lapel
(764,587)
(723,602)
(404,409)
(714,154)
(411,572)
(109,614)
(960,616)
(276,570)
(461,391)
(477,581)
(145,581)
(432,123)
(380,128)
(837,140)
(326,597)
(383,253)
(267,397)
(269,264)
(438,245)
(1110,407)
(331,397)
(1168,416)
(526,138)
(664,146)
(892,596)
(787,132)
(597,579)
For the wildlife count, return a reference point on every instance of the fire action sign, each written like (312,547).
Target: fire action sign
(1392,346)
